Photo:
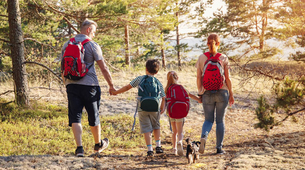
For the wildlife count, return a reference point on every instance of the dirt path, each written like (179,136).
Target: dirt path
(246,147)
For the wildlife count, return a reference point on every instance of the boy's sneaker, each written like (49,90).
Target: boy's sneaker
(150,154)
(79,152)
(202,145)
(159,149)
(103,145)
(180,148)
(220,151)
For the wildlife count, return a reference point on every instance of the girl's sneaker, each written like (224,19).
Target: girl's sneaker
(175,152)
(180,148)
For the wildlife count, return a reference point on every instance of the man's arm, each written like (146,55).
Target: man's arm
(106,74)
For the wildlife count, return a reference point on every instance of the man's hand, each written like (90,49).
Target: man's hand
(112,90)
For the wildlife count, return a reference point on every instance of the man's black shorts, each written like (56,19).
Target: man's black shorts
(80,96)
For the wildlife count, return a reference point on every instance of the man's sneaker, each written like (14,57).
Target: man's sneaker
(202,145)
(220,151)
(159,149)
(180,148)
(79,152)
(150,154)
(103,145)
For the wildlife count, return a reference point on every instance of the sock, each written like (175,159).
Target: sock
(158,143)
(149,147)
(180,141)
(79,147)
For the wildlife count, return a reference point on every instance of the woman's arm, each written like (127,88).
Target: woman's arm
(199,82)
(195,98)
(229,85)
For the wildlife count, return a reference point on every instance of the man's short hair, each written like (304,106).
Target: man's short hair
(153,66)
(88,22)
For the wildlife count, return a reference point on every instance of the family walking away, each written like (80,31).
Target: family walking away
(79,55)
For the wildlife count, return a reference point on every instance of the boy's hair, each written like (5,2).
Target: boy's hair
(153,66)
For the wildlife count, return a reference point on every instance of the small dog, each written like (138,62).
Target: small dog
(192,150)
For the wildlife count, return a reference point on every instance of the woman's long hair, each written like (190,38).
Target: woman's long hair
(171,79)
(213,39)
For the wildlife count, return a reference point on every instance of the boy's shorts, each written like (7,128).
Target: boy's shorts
(149,121)
(80,96)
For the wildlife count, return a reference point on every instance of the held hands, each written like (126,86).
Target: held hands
(112,91)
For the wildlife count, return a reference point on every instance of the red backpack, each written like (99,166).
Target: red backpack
(213,72)
(73,65)
(178,102)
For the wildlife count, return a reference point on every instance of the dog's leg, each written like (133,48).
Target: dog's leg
(190,158)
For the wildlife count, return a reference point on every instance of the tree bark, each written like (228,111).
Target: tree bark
(162,52)
(127,54)
(17,53)
(178,42)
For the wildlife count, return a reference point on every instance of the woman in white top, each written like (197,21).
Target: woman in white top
(214,102)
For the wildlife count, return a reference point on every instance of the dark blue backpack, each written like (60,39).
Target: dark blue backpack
(149,92)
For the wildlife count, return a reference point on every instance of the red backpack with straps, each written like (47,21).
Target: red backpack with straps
(73,65)
(178,102)
(213,72)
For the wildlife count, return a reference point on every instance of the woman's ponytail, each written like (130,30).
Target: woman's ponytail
(213,40)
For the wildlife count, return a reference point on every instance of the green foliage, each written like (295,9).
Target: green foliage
(10,112)
(289,96)
(264,114)
(43,129)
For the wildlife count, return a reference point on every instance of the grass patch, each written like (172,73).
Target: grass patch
(43,130)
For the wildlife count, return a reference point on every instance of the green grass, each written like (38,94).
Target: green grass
(43,129)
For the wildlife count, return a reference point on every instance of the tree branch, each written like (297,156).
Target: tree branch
(7,41)
(257,70)
(32,39)
(288,115)
(111,65)
(69,23)
(9,91)
(32,62)
(3,16)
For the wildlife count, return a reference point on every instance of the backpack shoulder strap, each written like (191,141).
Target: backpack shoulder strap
(85,41)
(72,39)
(217,55)
(207,54)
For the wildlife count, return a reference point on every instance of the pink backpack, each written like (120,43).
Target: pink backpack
(73,65)
(213,72)
(178,102)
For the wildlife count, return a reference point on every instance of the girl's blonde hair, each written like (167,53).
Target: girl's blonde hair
(172,78)
(213,39)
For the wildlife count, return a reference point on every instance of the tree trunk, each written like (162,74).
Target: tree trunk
(17,53)
(127,55)
(162,52)
(178,43)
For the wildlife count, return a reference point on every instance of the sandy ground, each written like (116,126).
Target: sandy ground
(245,146)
